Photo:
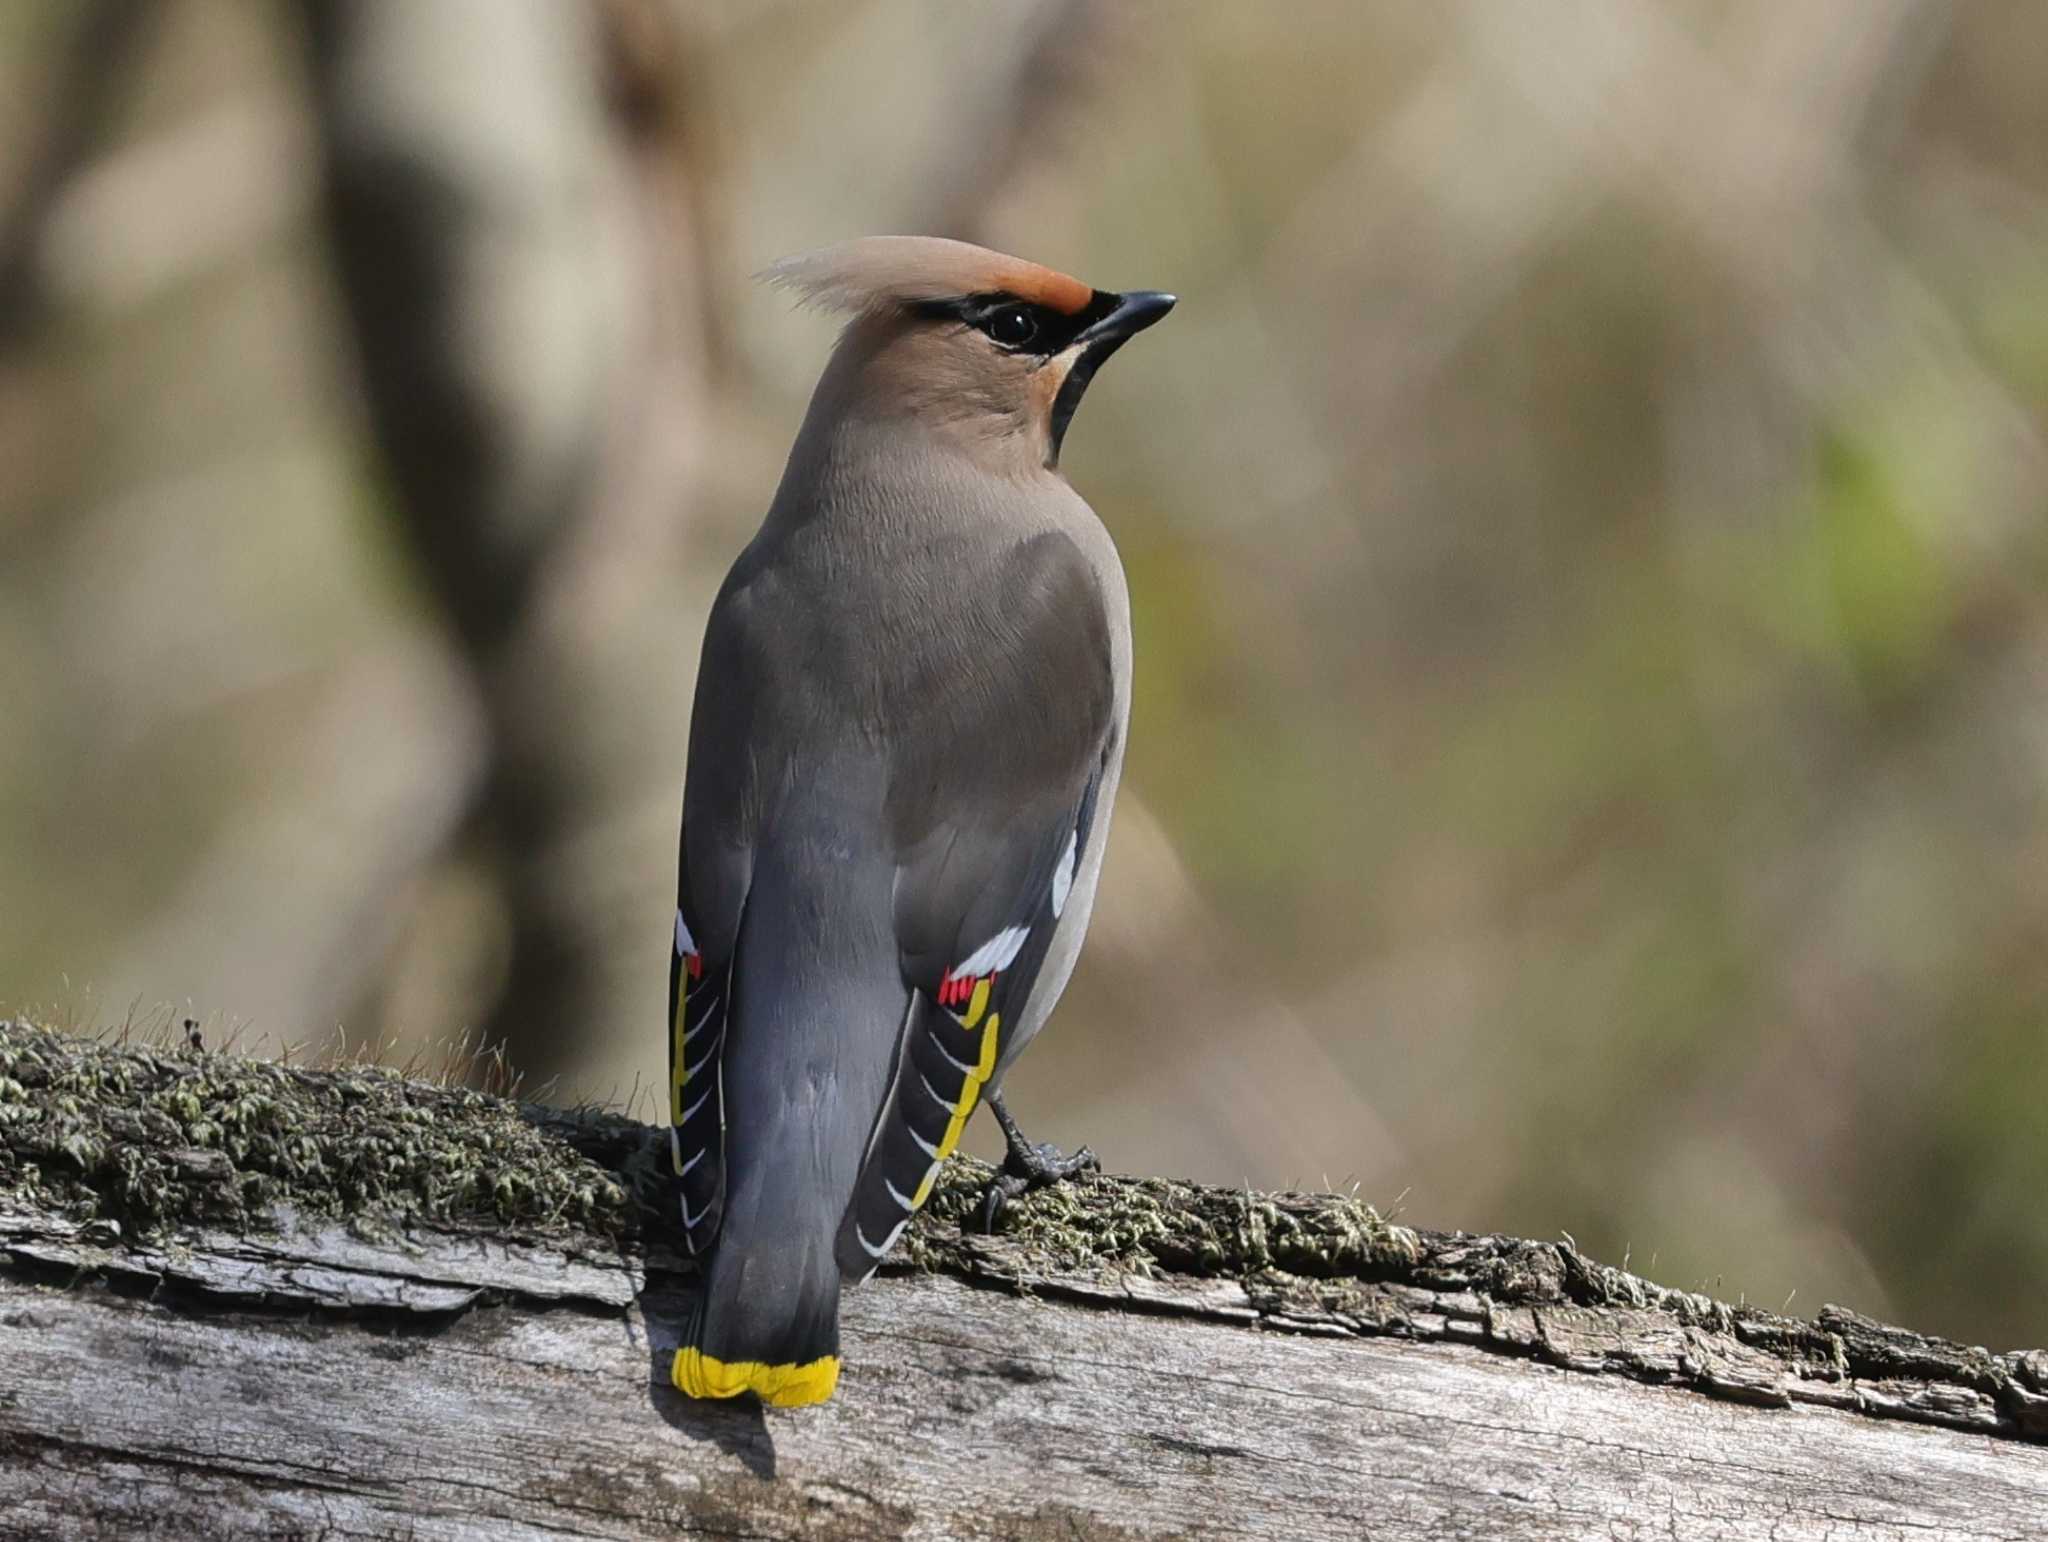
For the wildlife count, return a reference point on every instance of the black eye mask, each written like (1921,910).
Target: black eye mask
(1019,326)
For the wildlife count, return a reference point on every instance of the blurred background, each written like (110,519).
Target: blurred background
(1585,524)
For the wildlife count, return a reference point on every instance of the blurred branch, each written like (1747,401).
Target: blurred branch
(191,198)
(1050,67)
(501,280)
(105,37)
(302,894)
(463,163)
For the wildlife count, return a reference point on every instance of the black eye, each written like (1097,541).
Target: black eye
(1013,326)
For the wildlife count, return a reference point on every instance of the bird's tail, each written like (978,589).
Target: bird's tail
(812,1025)
(770,1330)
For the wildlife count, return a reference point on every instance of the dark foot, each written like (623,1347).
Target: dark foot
(1028,1166)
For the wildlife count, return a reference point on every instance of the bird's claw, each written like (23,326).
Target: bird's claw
(1002,1188)
(1046,1163)
(1029,1167)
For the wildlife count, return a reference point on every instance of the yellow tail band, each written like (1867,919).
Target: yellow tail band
(696,1374)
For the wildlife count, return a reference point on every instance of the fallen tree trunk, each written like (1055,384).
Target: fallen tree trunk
(239,1300)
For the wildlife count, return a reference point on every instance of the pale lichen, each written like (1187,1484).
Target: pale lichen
(1145,1224)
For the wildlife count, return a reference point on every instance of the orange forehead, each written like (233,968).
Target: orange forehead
(861,274)
(1040,286)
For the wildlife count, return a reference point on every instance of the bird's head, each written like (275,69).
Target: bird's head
(991,350)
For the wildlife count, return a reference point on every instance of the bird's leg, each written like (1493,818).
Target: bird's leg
(1027,1166)
(1040,1163)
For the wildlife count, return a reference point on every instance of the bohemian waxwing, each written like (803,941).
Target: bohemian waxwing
(909,724)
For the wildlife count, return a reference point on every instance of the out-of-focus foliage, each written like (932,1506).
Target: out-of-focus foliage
(1587,524)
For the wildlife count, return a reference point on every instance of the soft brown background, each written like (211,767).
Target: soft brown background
(1585,523)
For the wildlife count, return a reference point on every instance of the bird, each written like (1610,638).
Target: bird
(909,726)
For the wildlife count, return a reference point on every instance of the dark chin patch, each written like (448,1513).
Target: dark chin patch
(1069,397)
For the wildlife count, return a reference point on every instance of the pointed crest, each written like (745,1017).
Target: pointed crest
(877,271)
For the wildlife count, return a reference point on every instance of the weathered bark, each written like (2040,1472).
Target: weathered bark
(210,1327)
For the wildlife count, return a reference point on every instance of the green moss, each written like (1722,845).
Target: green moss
(156,1138)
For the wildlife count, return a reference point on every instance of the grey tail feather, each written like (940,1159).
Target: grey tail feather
(816,1007)
(765,1318)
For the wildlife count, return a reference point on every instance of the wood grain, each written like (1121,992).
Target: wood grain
(475,1391)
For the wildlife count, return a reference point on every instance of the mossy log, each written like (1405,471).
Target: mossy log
(244,1300)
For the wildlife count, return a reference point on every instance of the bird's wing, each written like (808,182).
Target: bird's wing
(713,874)
(699,989)
(993,811)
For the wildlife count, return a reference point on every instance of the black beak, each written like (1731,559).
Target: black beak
(1131,314)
